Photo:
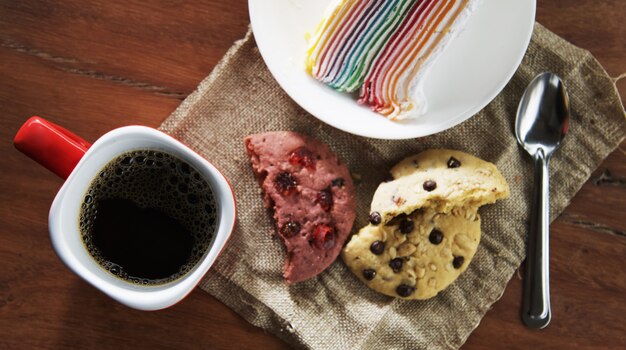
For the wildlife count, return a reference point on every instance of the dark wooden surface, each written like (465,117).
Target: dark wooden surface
(93,66)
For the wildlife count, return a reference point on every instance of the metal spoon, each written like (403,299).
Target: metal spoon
(541,124)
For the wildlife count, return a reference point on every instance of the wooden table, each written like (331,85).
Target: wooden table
(93,66)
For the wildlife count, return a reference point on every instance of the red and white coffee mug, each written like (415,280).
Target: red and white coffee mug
(79,162)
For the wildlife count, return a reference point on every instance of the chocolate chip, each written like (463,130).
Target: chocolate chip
(377,247)
(457,262)
(435,237)
(290,229)
(375,218)
(406,226)
(396,264)
(430,185)
(369,274)
(453,163)
(404,290)
(338,182)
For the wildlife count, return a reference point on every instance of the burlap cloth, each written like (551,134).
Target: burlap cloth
(335,310)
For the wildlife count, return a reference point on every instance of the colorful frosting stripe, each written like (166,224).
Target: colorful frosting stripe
(408,58)
(369,44)
(384,48)
(355,32)
(324,30)
(347,48)
(373,83)
(332,53)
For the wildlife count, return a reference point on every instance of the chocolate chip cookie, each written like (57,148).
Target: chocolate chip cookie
(414,256)
(424,225)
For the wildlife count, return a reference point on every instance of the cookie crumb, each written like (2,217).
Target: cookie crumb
(420,272)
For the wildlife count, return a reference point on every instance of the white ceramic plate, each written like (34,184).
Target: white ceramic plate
(468,75)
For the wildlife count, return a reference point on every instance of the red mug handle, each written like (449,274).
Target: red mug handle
(50,145)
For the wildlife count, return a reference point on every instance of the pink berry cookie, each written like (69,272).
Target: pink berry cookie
(312,194)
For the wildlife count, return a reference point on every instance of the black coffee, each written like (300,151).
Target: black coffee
(148,217)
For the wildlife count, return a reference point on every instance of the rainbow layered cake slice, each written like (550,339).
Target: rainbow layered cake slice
(384,48)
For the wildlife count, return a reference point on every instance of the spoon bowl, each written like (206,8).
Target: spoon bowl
(543,114)
(541,124)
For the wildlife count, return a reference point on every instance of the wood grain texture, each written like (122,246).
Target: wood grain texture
(94,66)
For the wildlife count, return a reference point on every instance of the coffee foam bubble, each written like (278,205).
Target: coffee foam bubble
(153,179)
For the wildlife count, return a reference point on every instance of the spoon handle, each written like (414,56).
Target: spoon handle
(536,305)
